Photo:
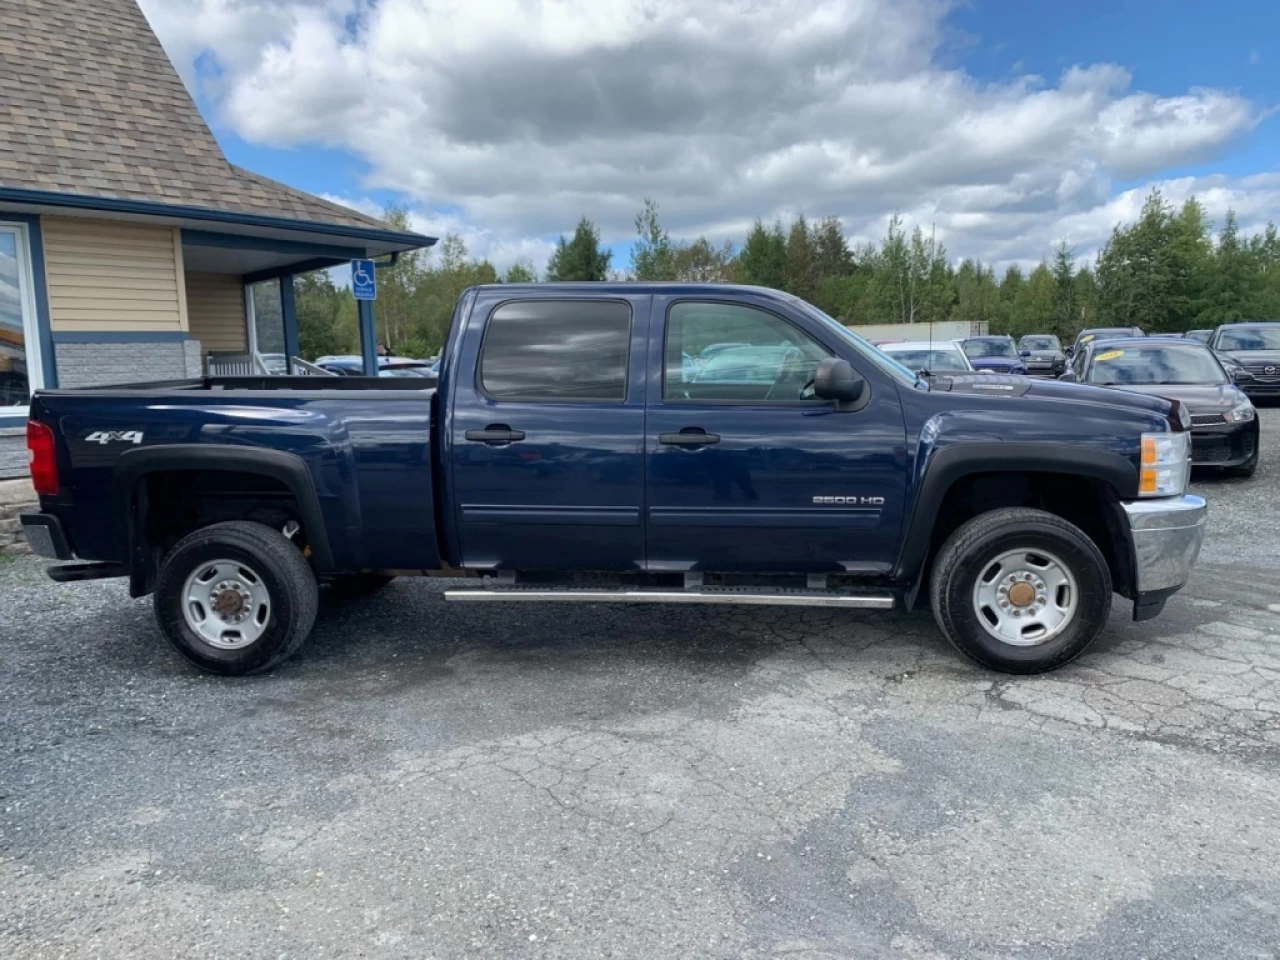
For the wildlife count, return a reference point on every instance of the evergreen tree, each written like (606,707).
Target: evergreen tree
(799,272)
(763,258)
(1064,277)
(580,258)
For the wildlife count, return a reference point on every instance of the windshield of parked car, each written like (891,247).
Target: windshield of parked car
(406,370)
(1250,338)
(934,361)
(1106,333)
(976,349)
(1155,364)
(1040,343)
(1200,336)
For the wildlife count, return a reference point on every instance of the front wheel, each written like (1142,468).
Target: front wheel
(235,598)
(1020,590)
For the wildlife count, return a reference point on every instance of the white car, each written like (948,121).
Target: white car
(924,356)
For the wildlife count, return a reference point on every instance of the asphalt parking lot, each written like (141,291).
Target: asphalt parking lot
(437,781)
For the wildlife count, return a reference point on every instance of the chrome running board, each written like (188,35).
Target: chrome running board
(740,595)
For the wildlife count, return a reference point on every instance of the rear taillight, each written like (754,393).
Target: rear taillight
(43,454)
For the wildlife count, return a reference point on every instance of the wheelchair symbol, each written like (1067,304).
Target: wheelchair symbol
(363,283)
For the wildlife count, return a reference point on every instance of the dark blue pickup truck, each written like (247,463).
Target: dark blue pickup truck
(630,443)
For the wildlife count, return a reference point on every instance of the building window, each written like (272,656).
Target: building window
(268,317)
(20,370)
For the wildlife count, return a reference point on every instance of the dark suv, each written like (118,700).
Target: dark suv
(1256,348)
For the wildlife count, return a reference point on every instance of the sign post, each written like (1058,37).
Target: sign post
(364,287)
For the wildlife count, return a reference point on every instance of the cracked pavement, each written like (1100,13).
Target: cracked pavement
(437,781)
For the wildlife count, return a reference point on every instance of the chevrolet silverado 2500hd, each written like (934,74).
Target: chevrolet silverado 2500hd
(632,443)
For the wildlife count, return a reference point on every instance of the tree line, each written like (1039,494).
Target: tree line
(1166,271)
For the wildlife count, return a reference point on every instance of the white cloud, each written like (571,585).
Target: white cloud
(522,115)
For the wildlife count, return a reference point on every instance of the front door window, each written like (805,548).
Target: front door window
(19,346)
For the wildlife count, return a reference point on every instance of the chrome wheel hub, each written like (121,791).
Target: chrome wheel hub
(226,603)
(1025,597)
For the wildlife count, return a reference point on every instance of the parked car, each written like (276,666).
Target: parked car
(1201,336)
(1256,348)
(353,366)
(555,461)
(1224,424)
(1043,354)
(1102,333)
(996,354)
(929,356)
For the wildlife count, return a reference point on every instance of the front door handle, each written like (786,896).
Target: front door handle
(495,433)
(689,437)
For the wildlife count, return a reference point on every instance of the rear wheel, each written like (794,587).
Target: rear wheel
(235,598)
(1020,590)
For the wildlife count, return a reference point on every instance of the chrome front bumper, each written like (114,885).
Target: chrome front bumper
(1166,534)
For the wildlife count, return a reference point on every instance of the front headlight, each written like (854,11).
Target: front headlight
(1166,464)
(1242,414)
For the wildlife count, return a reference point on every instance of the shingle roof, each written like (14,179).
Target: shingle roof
(90,105)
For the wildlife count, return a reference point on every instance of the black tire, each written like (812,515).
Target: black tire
(1245,470)
(972,547)
(283,571)
(358,584)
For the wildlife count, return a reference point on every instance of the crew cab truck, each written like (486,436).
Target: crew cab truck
(578,447)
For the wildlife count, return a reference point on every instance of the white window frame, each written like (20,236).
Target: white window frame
(30,319)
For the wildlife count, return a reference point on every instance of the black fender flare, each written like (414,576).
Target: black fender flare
(954,463)
(288,468)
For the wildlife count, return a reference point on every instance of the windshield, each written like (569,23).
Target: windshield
(1040,343)
(931,360)
(865,349)
(977,349)
(1200,336)
(1250,338)
(1107,333)
(1165,364)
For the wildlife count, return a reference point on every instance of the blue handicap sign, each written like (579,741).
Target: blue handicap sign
(364,285)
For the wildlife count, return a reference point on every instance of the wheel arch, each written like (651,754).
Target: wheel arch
(135,467)
(1100,480)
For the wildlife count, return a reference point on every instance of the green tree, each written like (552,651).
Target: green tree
(1035,308)
(977,295)
(1229,290)
(1064,293)
(703,262)
(763,259)
(580,257)
(652,255)
(800,276)
(326,315)
(520,272)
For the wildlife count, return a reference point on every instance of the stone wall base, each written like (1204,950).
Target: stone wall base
(16,496)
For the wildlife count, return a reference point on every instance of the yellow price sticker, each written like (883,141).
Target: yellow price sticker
(1109,355)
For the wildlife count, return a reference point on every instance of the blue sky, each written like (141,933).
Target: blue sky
(506,120)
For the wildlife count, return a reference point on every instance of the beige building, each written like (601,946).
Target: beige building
(130,248)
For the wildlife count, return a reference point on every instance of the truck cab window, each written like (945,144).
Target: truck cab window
(731,353)
(557,350)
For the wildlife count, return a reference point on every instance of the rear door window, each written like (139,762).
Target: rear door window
(557,350)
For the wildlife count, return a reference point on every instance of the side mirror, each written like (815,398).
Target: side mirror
(1024,353)
(1240,375)
(837,380)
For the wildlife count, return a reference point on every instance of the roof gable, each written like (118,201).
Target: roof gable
(91,105)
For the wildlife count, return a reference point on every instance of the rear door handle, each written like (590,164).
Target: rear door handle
(495,433)
(689,437)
